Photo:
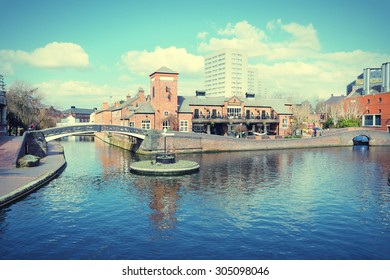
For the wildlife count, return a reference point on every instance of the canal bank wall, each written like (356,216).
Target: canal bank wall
(18,182)
(119,140)
(184,142)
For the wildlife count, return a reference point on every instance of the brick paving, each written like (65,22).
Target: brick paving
(15,181)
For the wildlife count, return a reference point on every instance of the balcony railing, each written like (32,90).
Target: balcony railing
(228,117)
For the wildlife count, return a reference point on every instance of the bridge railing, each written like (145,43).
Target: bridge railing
(121,128)
(75,129)
(70,129)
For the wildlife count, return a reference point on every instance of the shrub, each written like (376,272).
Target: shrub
(349,123)
(328,123)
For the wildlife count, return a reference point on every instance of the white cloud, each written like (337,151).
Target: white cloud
(53,55)
(241,35)
(289,57)
(177,59)
(301,40)
(6,68)
(202,35)
(82,94)
(243,31)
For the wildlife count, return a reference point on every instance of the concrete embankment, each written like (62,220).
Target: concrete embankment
(192,142)
(119,140)
(184,142)
(18,182)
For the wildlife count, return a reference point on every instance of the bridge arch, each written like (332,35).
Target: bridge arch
(63,131)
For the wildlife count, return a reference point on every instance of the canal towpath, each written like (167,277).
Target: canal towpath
(17,182)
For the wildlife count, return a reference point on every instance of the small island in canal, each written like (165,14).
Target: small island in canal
(165,164)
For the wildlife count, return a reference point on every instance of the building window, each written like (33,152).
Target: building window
(284,124)
(380,100)
(380,111)
(372,120)
(377,120)
(145,124)
(184,126)
(196,113)
(131,124)
(368,101)
(166,125)
(198,128)
(234,112)
(166,113)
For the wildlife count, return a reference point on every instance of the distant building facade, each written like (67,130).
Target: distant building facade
(81,114)
(371,90)
(228,74)
(373,108)
(372,80)
(165,108)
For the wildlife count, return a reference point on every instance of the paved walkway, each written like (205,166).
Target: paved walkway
(17,182)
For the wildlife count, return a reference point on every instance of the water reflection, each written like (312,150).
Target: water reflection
(318,203)
(163,196)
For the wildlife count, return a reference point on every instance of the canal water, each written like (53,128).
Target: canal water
(331,203)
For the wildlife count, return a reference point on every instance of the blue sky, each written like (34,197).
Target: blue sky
(85,52)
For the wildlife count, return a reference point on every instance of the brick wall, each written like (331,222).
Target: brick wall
(194,142)
(163,88)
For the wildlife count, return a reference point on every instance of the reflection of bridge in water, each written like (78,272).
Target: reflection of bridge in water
(63,131)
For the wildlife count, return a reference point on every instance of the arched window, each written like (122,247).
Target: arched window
(166,124)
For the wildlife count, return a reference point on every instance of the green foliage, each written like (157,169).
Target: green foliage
(328,123)
(349,123)
(293,136)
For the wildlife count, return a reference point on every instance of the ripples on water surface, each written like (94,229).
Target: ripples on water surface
(291,204)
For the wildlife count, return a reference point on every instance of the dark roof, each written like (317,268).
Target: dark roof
(121,105)
(185,103)
(335,99)
(164,70)
(143,108)
(81,111)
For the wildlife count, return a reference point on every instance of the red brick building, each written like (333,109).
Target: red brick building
(163,98)
(374,108)
(371,92)
(82,114)
(164,108)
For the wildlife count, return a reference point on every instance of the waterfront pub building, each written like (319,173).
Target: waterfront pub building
(164,108)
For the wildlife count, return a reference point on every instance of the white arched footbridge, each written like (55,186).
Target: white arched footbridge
(63,131)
